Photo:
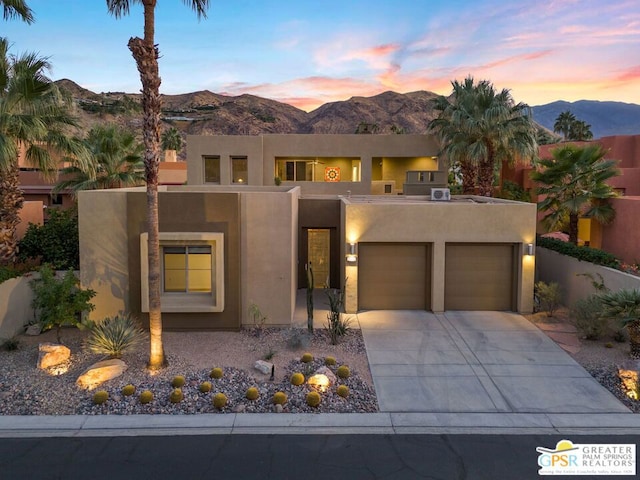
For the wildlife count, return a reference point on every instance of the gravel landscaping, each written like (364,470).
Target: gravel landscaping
(26,390)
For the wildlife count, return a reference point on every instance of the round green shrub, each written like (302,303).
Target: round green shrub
(329,361)
(306,358)
(343,391)
(279,398)
(216,373)
(297,379)
(128,390)
(100,397)
(313,399)
(176,396)
(252,393)
(205,387)
(219,400)
(343,371)
(178,381)
(146,397)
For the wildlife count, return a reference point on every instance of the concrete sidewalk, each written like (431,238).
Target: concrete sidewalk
(475,362)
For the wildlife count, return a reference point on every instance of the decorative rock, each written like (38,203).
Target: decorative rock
(278,408)
(52,354)
(327,371)
(240,408)
(101,372)
(263,367)
(33,330)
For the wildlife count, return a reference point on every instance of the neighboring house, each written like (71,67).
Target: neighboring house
(227,243)
(621,237)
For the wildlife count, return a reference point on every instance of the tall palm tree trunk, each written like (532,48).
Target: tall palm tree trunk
(573,228)
(11,201)
(469,174)
(485,178)
(146,55)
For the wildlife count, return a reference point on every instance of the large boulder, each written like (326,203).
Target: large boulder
(263,367)
(52,354)
(100,372)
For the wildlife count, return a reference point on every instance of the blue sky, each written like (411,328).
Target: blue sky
(307,52)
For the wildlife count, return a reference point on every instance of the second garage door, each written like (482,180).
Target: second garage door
(394,276)
(479,277)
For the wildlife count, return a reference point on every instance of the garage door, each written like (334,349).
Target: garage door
(479,277)
(394,276)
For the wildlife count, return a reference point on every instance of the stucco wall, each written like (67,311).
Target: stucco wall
(31,212)
(621,237)
(553,267)
(439,223)
(15,306)
(269,254)
(102,225)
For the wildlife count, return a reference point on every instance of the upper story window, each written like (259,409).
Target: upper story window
(212,169)
(240,170)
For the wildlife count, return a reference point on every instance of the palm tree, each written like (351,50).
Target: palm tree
(146,53)
(171,139)
(480,129)
(116,162)
(33,120)
(563,123)
(580,131)
(624,305)
(574,184)
(16,8)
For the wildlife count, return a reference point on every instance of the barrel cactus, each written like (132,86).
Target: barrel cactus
(178,381)
(329,361)
(306,358)
(128,390)
(297,379)
(343,371)
(205,387)
(219,400)
(100,397)
(279,398)
(176,396)
(313,399)
(216,373)
(146,397)
(343,391)
(252,393)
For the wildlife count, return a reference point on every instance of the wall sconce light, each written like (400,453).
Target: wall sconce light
(352,253)
(529,249)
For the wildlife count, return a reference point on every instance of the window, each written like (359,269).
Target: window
(192,271)
(318,169)
(239,170)
(211,169)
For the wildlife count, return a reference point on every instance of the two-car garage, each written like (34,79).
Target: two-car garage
(399,276)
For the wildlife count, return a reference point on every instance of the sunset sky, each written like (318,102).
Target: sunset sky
(307,53)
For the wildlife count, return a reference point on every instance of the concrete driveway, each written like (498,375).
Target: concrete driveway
(484,362)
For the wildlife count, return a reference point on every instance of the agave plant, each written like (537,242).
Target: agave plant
(624,305)
(115,336)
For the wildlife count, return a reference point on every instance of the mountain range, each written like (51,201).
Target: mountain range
(208,113)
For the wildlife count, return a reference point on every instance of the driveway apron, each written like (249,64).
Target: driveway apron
(485,362)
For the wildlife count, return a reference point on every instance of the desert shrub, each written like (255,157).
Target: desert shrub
(219,400)
(297,379)
(343,391)
(270,354)
(177,381)
(10,344)
(59,302)
(297,338)
(205,387)
(330,361)
(115,336)
(306,358)
(257,318)
(343,371)
(216,373)
(146,396)
(587,317)
(337,324)
(586,254)
(128,390)
(18,269)
(313,399)
(100,397)
(176,396)
(56,242)
(549,296)
(279,398)
(252,393)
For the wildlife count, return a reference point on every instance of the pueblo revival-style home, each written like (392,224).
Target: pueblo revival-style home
(370,213)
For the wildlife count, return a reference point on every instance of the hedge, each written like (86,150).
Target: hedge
(585,254)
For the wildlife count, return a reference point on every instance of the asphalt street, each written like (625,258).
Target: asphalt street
(281,457)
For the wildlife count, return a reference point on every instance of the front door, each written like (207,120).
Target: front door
(319,255)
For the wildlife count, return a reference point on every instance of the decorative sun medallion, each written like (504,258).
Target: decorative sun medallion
(332,174)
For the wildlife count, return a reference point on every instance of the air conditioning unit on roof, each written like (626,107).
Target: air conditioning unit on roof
(440,194)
